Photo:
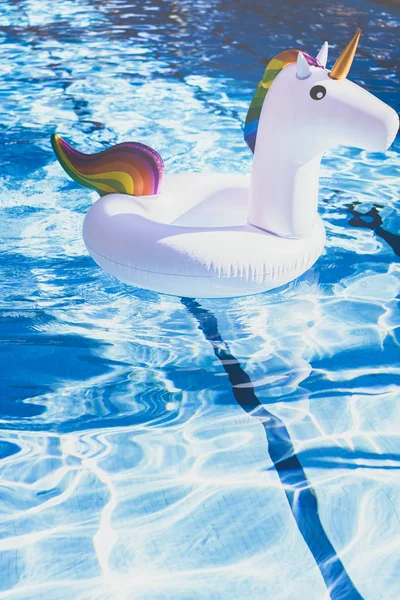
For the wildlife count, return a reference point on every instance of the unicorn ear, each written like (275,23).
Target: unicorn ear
(303,68)
(322,55)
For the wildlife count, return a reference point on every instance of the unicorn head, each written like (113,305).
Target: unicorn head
(299,111)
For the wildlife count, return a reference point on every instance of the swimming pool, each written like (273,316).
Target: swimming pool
(153,447)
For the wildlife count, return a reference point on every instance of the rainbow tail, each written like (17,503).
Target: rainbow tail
(128,168)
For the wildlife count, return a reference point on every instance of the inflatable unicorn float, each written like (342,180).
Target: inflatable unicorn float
(220,235)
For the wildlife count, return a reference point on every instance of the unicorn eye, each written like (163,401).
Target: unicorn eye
(318,92)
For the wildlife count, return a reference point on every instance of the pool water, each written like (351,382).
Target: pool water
(160,448)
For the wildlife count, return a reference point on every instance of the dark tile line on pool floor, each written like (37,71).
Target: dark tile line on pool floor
(299,493)
(373,220)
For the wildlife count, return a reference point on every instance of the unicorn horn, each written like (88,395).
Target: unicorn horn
(343,64)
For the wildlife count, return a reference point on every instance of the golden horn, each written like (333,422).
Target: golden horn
(343,64)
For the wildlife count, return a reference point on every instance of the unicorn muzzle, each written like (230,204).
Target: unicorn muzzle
(378,131)
(359,118)
(392,129)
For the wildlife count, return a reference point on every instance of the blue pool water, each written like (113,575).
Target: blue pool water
(160,448)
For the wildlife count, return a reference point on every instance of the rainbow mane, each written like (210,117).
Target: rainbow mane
(273,69)
(128,168)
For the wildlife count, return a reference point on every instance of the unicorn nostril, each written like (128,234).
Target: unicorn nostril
(393,128)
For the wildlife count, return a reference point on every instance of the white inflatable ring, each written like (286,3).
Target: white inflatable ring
(196,244)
